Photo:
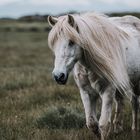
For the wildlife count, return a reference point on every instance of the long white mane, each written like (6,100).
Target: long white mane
(103,42)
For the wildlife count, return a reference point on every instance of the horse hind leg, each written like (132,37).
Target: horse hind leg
(118,118)
(135,108)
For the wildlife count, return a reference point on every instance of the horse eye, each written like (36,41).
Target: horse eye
(71,43)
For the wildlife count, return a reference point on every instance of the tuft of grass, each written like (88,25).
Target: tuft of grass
(59,117)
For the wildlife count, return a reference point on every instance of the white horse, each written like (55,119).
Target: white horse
(104,54)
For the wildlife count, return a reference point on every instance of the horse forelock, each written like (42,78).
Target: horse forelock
(103,41)
(62,30)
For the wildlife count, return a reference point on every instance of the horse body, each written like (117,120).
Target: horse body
(131,24)
(99,76)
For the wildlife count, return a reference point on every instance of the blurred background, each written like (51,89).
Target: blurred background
(18,8)
(32,105)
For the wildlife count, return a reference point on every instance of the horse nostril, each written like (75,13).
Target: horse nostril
(56,77)
(61,76)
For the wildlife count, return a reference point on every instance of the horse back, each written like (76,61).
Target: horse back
(127,21)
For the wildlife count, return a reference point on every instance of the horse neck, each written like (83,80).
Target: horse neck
(83,61)
(90,66)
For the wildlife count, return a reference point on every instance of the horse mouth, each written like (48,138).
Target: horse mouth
(62,82)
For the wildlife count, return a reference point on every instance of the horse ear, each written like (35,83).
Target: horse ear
(71,20)
(52,21)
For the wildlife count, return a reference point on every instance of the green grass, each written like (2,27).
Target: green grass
(23,26)
(32,105)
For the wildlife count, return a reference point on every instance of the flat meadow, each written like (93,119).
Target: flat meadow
(32,105)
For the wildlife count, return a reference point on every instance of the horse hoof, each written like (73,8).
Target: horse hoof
(117,128)
(105,131)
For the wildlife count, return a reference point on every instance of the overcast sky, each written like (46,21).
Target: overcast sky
(16,8)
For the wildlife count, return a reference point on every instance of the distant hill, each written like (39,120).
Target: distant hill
(37,17)
(32,18)
(125,13)
(42,18)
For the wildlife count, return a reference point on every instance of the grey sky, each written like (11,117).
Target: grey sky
(16,8)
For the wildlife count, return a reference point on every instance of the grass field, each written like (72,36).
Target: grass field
(32,105)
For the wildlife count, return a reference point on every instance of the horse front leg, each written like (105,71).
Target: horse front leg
(106,110)
(89,98)
(89,103)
